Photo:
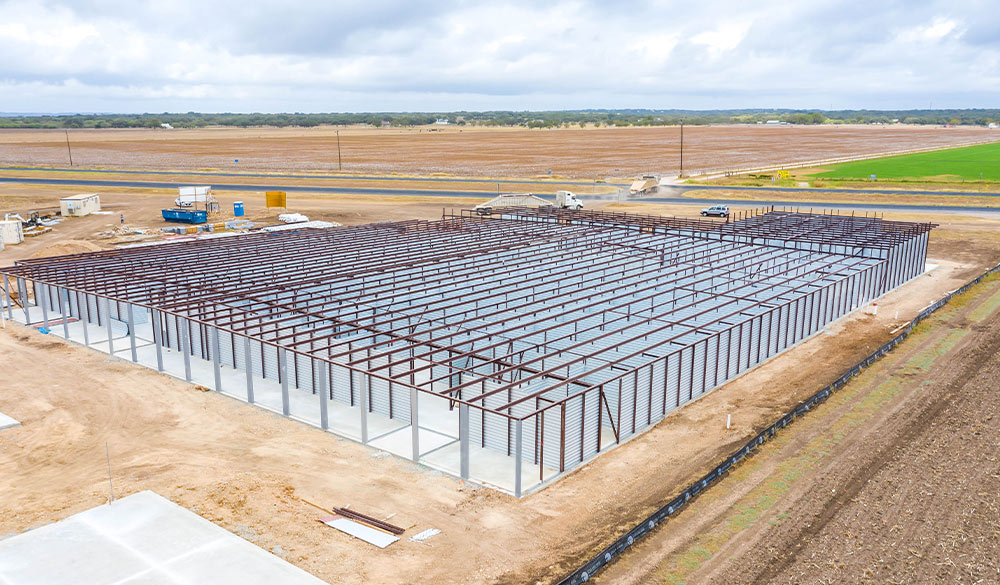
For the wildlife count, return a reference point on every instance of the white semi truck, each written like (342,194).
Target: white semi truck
(564,200)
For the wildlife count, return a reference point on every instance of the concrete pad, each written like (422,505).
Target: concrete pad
(141,539)
(6,422)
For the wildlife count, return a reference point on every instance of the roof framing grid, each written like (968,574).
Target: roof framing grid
(537,305)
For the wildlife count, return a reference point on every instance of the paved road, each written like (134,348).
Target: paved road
(689,187)
(674,194)
(319,177)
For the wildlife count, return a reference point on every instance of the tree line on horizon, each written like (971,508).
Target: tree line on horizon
(527,119)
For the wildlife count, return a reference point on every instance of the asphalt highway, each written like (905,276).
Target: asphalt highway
(668,194)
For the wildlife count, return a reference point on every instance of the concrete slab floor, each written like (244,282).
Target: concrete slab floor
(142,538)
(6,422)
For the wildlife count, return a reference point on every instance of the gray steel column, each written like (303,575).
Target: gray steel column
(366,384)
(65,308)
(216,360)
(185,347)
(463,439)
(45,302)
(83,316)
(415,424)
(131,332)
(154,316)
(7,298)
(283,372)
(107,322)
(324,393)
(249,366)
(517,458)
(22,292)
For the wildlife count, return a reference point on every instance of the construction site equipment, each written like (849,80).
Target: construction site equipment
(238,209)
(292,218)
(185,215)
(193,196)
(564,200)
(644,186)
(275,199)
(11,230)
(80,205)
(568,200)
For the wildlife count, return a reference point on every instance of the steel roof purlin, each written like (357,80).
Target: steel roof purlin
(541,304)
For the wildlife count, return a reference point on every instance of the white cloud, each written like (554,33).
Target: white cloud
(272,55)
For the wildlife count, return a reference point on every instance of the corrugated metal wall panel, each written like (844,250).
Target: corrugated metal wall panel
(711,361)
(745,345)
(379,396)
(686,362)
(699,368)
(673,375)
(625,419)
(551,438)
(659,370)
(574,437)
(644,396)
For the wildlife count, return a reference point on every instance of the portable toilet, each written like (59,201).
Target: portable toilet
(238,209)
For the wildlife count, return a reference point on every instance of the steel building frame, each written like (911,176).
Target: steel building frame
(521,343)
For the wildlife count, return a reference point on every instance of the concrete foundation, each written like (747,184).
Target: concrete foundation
(143,538)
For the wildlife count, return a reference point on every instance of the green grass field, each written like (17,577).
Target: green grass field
(953,164)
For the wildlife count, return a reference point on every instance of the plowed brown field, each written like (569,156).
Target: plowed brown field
(580,153)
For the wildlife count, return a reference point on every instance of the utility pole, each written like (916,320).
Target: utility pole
(682,149)
(340,160)
(68,149)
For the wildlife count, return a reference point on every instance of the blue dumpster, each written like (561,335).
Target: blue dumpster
(238,209)
(185,215)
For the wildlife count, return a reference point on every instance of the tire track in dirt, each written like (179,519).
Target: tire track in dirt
(683,539)
(896,448)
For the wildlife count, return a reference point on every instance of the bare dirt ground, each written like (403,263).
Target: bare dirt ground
(896,479)
(586,153)
(247,469)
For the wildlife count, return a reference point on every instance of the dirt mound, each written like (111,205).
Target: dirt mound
(65,247)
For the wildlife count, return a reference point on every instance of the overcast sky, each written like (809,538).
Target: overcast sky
(409,55)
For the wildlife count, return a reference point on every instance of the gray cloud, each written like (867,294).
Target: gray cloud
(100,55)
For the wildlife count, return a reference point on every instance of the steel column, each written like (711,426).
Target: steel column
(415,424)
(131,333)
(248,357)
(216,360)
(324,396)
(283,372)
(84,318)
(44,301)
(463,439)
(107,323)
(155,317)
(65,308)
(517,457)
(185,346)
